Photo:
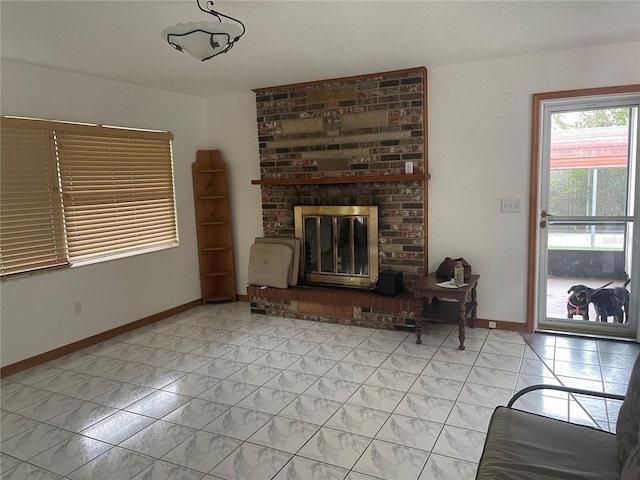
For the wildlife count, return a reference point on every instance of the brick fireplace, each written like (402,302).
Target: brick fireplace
(346,142)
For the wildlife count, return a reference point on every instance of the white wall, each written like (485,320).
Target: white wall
(232,130)
(480,138)
(479,152)
(37,311)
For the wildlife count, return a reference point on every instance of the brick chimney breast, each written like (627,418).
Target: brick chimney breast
(368,125)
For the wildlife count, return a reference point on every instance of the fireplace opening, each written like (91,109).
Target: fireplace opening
(339,245)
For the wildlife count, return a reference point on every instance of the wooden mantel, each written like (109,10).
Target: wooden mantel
(343,180)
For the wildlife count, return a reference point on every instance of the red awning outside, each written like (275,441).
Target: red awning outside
(590,148)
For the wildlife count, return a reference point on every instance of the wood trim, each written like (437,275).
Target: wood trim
(532,250)
(101,337)
(260,91)
(243,298)
(425,156)
(538,98)
(588,92)
(501,325)
(342,180)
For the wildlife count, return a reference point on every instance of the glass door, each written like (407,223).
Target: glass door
(588,230)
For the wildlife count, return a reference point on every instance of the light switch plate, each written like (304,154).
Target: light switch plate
(510,205)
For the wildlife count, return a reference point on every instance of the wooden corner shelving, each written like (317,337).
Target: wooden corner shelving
(213,221)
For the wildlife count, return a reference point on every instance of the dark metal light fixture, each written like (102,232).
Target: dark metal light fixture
(205,40)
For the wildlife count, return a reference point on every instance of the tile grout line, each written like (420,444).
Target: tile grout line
(557,378)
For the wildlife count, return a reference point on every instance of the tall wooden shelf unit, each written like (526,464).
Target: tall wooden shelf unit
(213,219)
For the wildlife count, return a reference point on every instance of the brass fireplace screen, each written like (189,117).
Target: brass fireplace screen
(340,245)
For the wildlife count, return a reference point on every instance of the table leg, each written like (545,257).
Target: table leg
(419,331)
(474,302)
(462,314)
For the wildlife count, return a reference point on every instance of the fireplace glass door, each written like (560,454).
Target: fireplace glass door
(339,244)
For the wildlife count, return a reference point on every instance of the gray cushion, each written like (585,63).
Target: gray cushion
(631,469)
(525,446)
(629,416)
(294,244)
(269,265)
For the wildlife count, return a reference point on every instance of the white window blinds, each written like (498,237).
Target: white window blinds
(116,184)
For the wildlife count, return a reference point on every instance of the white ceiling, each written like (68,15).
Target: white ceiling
(298,41)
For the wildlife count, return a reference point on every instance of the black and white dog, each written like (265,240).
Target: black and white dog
(622,294)
(607,305)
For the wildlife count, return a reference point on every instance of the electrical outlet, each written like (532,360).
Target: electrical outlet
(510,205)
(408,167)
(77,308)
(492,325)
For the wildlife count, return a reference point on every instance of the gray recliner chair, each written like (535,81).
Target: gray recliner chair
(527,446)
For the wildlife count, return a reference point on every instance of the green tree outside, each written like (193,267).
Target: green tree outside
(608,117)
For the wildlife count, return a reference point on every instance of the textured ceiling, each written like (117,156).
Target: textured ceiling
(298,41)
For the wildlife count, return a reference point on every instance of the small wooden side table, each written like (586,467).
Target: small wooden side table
(435,310)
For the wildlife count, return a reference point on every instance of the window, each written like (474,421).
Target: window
(73,193)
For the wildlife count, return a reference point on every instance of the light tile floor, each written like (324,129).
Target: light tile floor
(218,392)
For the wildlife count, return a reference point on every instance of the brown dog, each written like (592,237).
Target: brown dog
(579,300)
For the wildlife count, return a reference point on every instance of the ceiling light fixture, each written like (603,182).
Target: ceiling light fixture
(205,40)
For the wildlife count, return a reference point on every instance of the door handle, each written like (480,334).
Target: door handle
(544,215)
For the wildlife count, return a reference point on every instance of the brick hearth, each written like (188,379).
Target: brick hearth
(336,305)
